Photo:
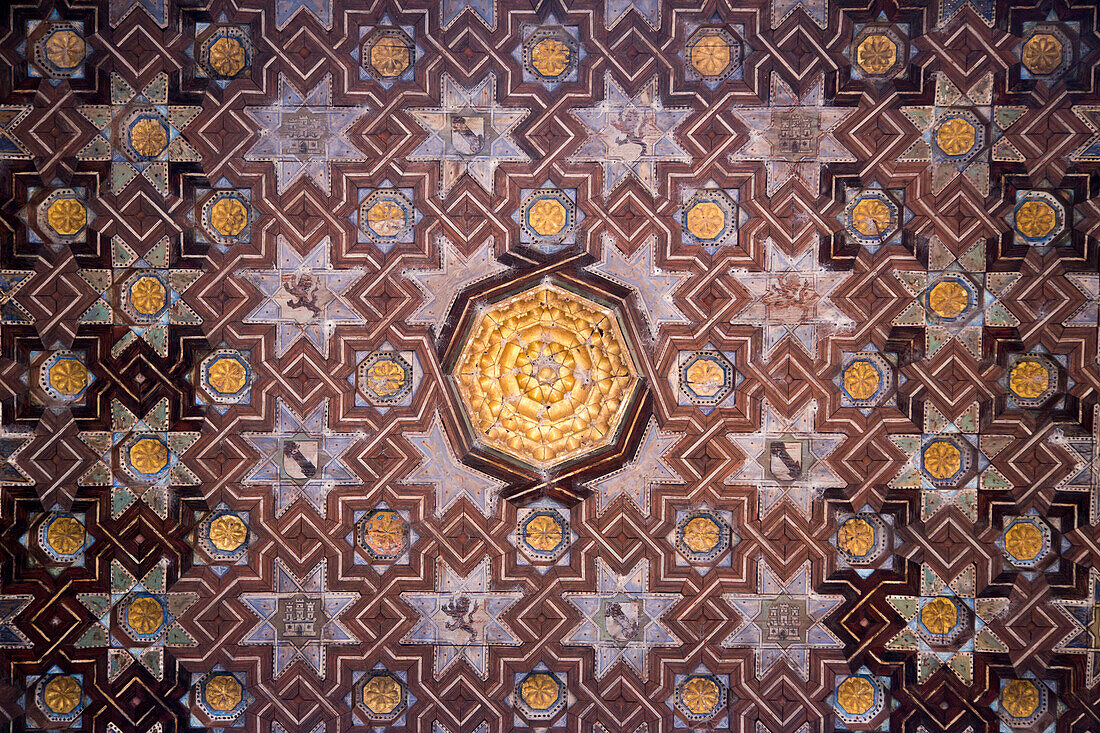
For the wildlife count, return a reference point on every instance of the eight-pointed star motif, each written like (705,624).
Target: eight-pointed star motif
(649,466)
(794,135)
(628,136)
(786,459)
(947,623)
(304,297)
(783,620)
(622,619)
(947,462)
(139,458)
(961,133)
(303,134)
(462,618)
(955,299)
(299,618)
(143,294)
(138,620)
(441,474)
(469,132)
(140,133)
(792,297)
(301,457)
(654,286)
(451,480)
(440,286)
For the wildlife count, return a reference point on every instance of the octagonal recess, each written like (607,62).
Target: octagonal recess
(546,376)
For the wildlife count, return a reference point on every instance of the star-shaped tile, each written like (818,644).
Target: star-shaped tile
(648,467)
(628,136)
(469,132)
(786,459)
(462,618)
(792,297)
(653,285)
(301,458)
(142,294)
(299,618)
(137,620)
(961,133)
(455,273)
(303,134)
(304,297)
(622,619)
(947,624)
(441,469)
(793,135)
(140,459)
(956,299)
(141,134)
(949,462)
(783,621)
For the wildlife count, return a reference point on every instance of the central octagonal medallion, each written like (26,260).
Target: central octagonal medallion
(546,375)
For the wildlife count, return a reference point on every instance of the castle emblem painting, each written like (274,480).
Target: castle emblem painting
(574,366)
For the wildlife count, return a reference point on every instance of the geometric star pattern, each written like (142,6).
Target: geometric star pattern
(622,619)
(299,618)
(301,458)
(793,135)
(469,133)
(304,297)
(785,621)
(462,618)
(807,438)
(303,134)
(787,460)
(628,135)
(792,298)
